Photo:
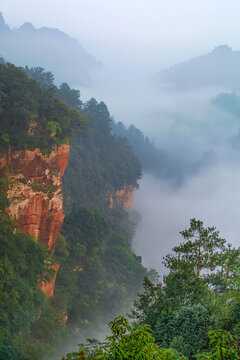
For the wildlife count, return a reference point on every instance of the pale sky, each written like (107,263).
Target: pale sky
(153,32)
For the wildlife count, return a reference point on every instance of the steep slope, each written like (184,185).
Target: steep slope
(153,160)
(100,164)
(99,274)
(35,191)
(123,198)
(49,48)
(34,141)
(219,68)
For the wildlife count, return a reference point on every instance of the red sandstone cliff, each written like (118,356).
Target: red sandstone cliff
(122,198)
(48,287)
(35,194)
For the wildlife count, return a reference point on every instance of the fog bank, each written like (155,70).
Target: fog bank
(212,196)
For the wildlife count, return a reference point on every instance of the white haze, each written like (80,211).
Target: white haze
(138,33)
(212,196)
(135,39)
(188,126)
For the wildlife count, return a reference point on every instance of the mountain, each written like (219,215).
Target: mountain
(49,48)
(62,279)
(154,160)
(219,68)
(229,102)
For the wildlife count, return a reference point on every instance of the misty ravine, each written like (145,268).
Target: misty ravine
(119,181)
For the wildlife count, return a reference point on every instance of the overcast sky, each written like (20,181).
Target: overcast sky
(153,32)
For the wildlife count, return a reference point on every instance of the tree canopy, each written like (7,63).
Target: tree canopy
(28,110)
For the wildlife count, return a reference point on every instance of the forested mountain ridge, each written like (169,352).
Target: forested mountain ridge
(49,48)
(89,157)
(35,131)
(219,68)
(99,274)
(154,160)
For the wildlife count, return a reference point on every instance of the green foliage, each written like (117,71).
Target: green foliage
(75,356)
(69,96)
(44,78)
(171,354)
(153,159)
(99,163)
(224,346)
(61,249)
(53,126)
(99,273)
(23,264)
(5,138)
(201,249)
(203,356)
(43,187)
(29,112)
(199,294)
(149,303)
(128,342)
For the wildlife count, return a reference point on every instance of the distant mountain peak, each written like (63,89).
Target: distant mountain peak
(219,68)
(222,49)
(49,48)
(3,25)
(27,26)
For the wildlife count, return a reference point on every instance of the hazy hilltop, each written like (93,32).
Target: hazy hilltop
(219,68)
(50,48)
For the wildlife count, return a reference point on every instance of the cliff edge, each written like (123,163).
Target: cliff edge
(122,198)
(36,194)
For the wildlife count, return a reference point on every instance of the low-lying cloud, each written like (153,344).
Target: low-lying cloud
(213,196)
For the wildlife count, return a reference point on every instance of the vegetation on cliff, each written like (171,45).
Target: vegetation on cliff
(23,264)
(99,163)
(153,159)
(99,274)
(31,117)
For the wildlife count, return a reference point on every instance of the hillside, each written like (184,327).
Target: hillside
(154,160)
(219,68)
(49,48)
(88,272)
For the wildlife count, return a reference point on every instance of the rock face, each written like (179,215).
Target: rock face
(122,198)
(48,287)
(35,194)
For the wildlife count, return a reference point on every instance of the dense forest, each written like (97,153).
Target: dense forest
(154,160)
(193,313)
(99,274)
(28,110)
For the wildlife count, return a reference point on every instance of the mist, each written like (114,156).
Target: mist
(194,132)
(175,109)
(197,134)
(211,196)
